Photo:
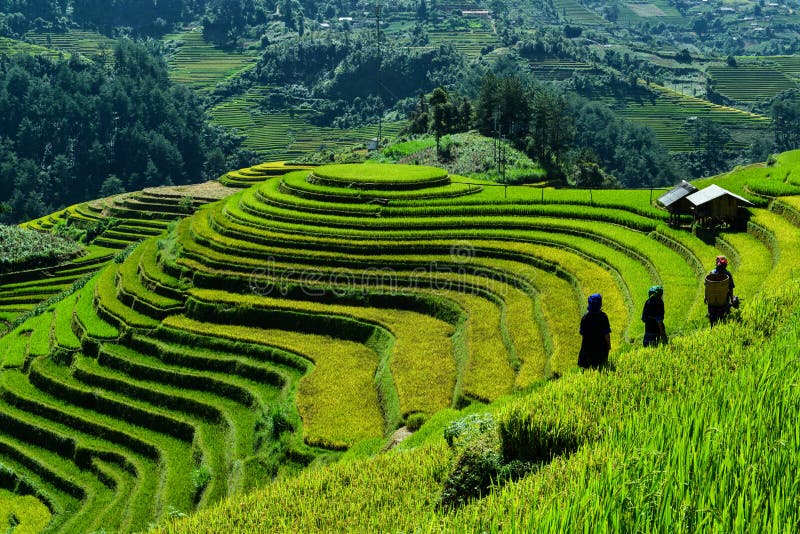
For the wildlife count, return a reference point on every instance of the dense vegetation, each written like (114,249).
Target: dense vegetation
(570,137)
(300,76)
(21,249)
(73,130)
(302,320)
(467,154)
(349,81)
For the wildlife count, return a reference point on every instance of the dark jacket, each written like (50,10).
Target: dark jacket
(594,349)
(653,314)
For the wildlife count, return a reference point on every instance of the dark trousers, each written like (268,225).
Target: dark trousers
(717,314)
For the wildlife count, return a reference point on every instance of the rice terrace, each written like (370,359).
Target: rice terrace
(249,357)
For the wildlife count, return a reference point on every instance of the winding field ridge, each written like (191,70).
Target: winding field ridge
(315,310)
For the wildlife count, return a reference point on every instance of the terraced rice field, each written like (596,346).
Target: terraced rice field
(667,113)
(86,43)
(468,43)
(573,12)
(319,309)
(200,65)
(137,216)
(749,83)
(10,47)
(789,65)
(558,69)
(287,135)
(631,13)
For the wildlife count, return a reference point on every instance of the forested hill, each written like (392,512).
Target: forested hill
(73,130)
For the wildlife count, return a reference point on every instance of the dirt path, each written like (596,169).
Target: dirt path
(398,437)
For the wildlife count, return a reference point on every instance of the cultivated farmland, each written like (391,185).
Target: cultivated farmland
(287,134)
(315,310)
(671,115)
(200,65)
(750,83)
(90,44)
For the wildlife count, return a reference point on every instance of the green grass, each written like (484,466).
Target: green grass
(63,334)
(112,308)
(378,175)
(778,177)
(406,148)
(14,346)
(94,326)
(299,184)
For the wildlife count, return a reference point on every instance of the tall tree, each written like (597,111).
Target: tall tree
(786,122)
(503,107)
(552,128)
(442,113)
(710,140)
(419,120)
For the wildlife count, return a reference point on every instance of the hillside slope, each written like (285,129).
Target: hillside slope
(695,436)
(317,310)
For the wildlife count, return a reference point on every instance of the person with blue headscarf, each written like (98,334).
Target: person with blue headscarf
(653,317)
(596,332)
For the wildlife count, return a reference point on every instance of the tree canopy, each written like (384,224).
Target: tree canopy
(69,125)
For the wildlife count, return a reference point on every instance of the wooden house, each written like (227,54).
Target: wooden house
(676,201)
(717,205)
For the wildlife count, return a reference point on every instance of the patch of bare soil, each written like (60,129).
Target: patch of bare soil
(399,435)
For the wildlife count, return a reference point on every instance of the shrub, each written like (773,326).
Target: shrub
(27,249)
(123,254)
(478,459)
(186,204)
(281,421)
(415,421)
(200,479)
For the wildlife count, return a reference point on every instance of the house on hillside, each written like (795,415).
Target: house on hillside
(676,203)
(715,205)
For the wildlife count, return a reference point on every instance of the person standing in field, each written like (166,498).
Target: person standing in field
(718,312)
(596,332)
(653,317)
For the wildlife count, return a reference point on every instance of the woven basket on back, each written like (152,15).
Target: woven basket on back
(717,289)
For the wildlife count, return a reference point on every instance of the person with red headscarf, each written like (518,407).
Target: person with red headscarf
(717,313)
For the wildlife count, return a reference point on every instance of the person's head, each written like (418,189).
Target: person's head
(595,302)
(656,291)
(722,262)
